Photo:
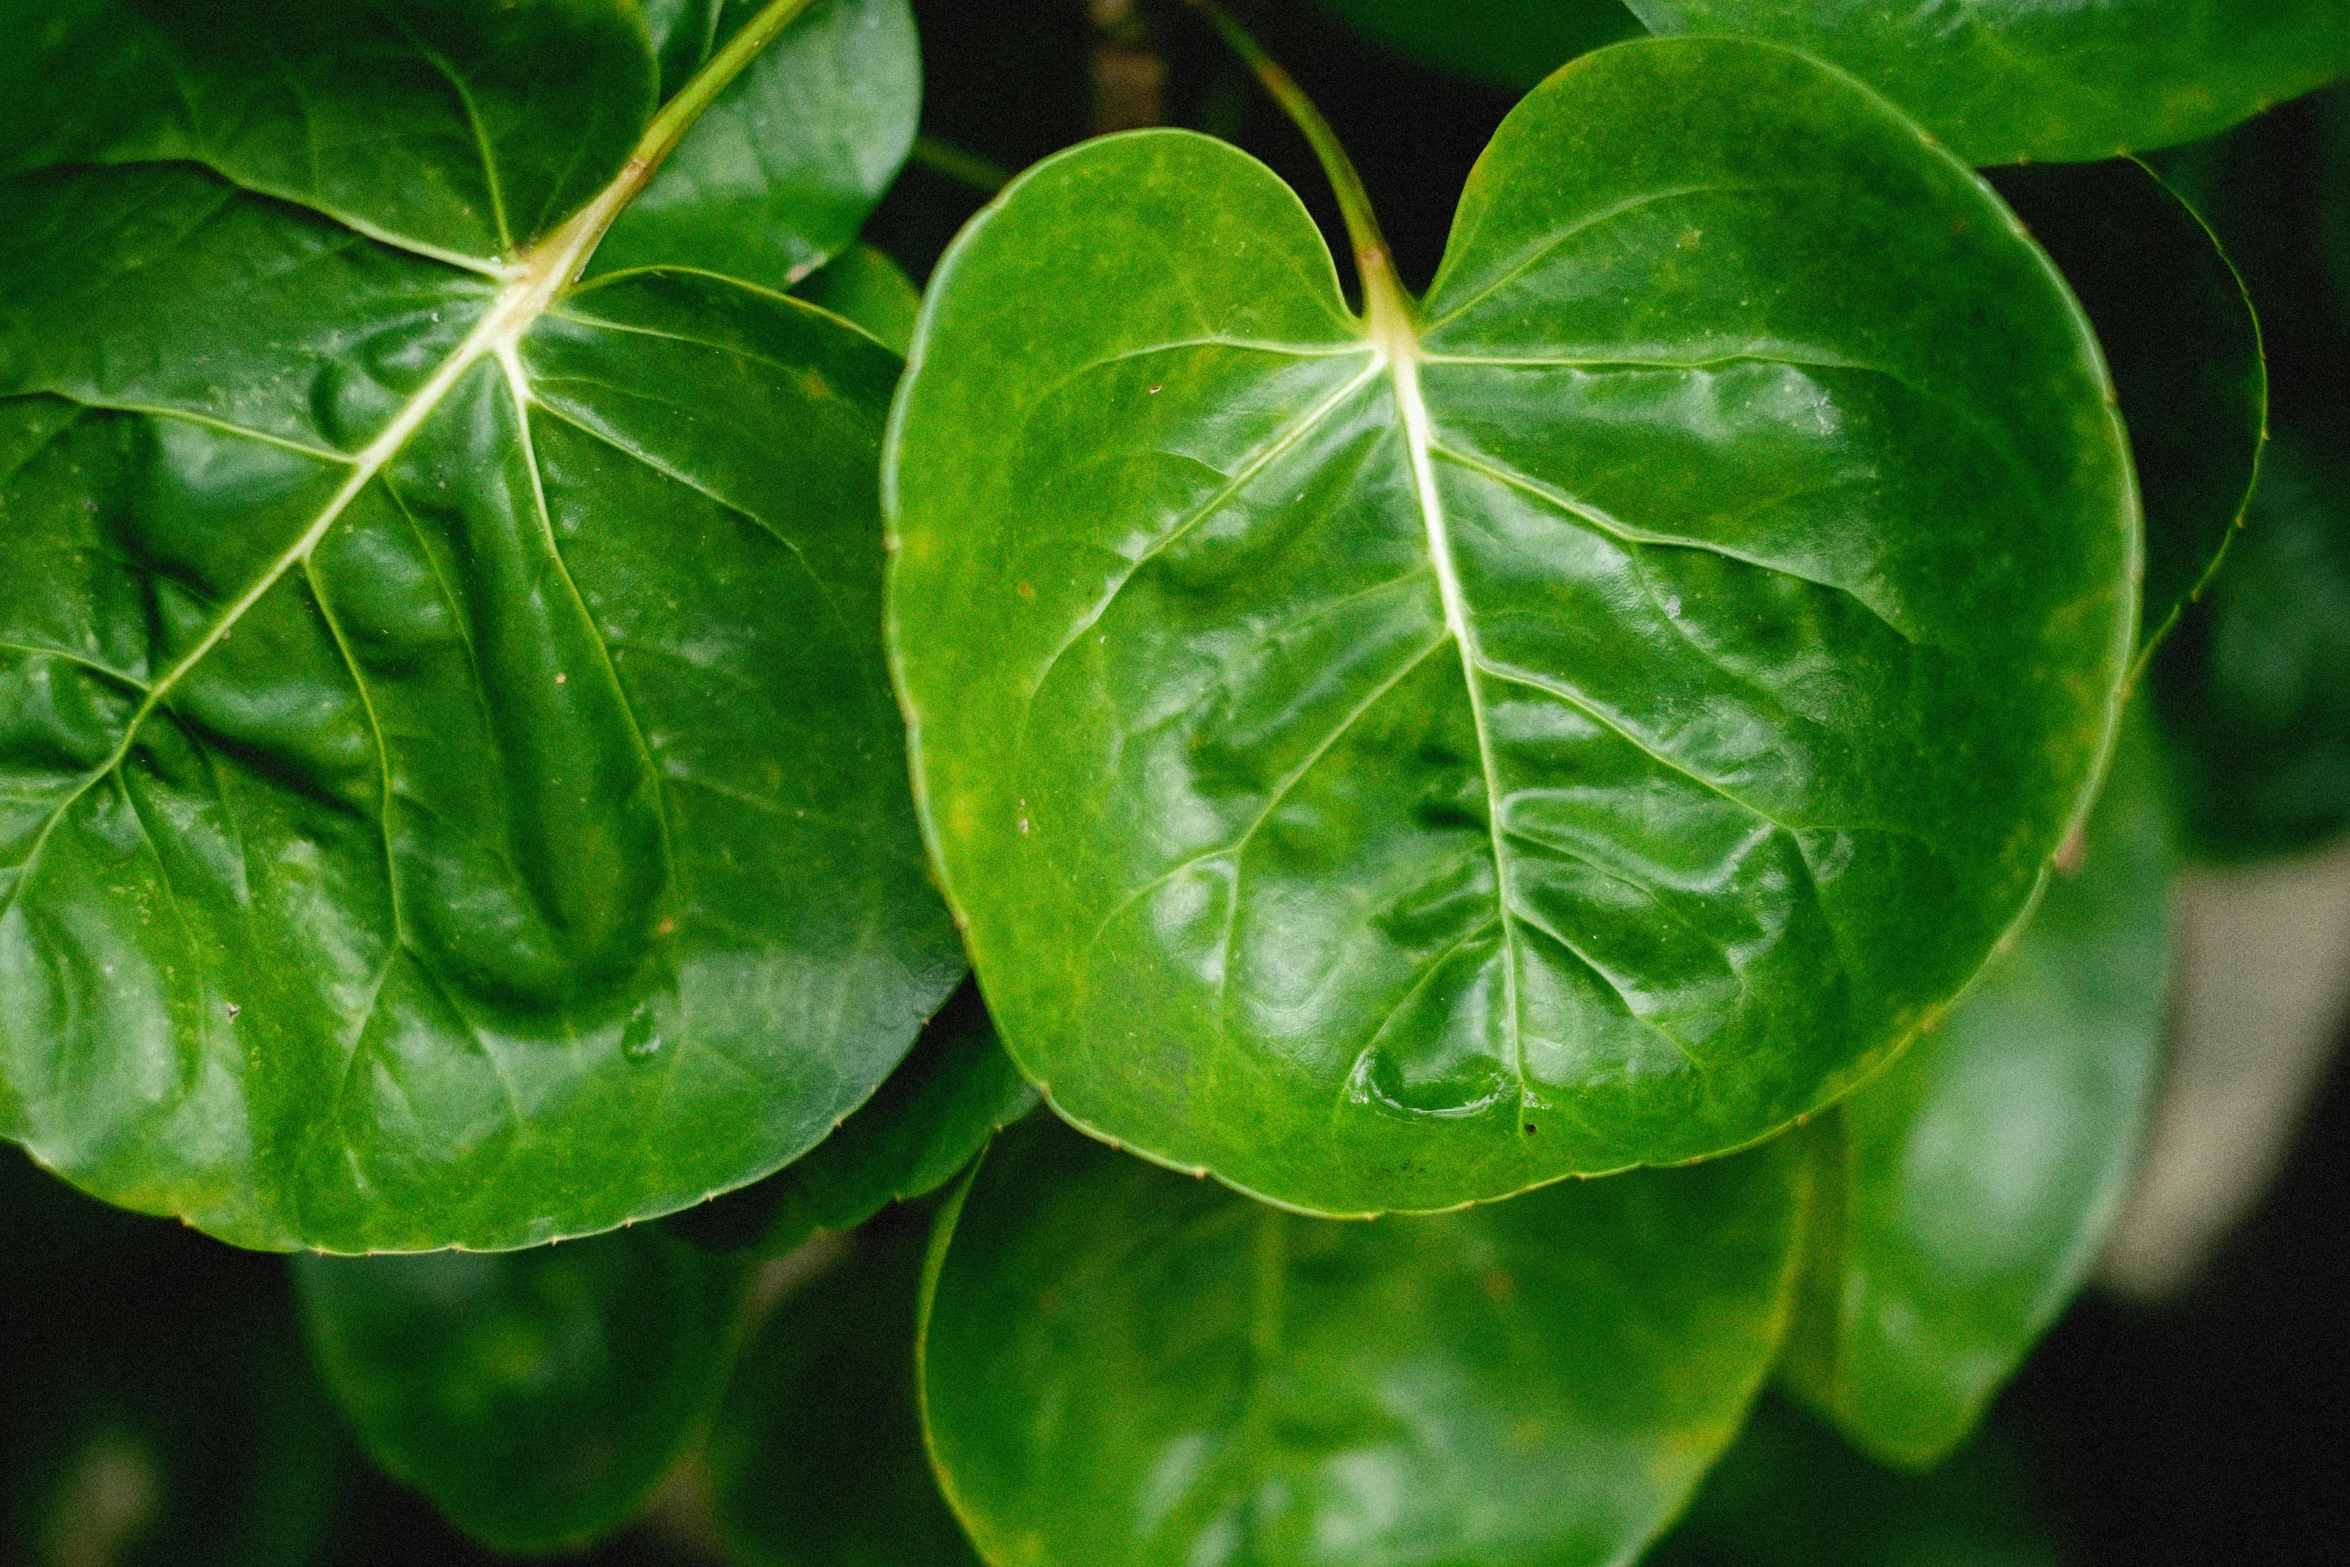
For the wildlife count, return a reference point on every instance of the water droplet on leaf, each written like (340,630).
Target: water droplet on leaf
(641,1039)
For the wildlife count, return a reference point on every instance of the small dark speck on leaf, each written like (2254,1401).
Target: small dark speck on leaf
(1026,590)
(1529,1128)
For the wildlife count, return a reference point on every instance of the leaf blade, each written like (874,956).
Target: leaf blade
(1488,1385)
(2048,82)
(1170,607)
(395,865)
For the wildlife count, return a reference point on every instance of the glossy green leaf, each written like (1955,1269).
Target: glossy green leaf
(816,1459)
(955,1089)
(1791,1495)
(865,287)
(449,789)
(538,1396)
(2256,688)
(786,163)
(2001,81)
(441,126)
(1125,1367)
(1980,1172)
(1588,720)
(1512,42)
(2184,349)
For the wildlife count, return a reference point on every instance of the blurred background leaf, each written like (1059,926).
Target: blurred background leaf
(816,1459)
(2255,689)
(1974,1180)
(538,1397)
(1791,1495)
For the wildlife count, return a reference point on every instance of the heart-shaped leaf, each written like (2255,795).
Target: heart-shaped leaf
(2052,80)
(2184,349)
(449,789)
(1121,1366)
(816,1458)
(1512,42)
(536,1396)
(1980,1172)
(1588,719)
(955,1089)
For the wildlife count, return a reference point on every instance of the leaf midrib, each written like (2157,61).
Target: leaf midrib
(545,275)
(1396,337)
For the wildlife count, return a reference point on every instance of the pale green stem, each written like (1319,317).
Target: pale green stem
(559,257)
(678,115)
(965,168)
(1384,299)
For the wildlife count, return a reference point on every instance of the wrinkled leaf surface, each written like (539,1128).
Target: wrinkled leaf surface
(1588,722)
(449,791)
(1122,1366)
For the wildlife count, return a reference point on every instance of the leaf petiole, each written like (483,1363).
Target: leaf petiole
(1385,302)
(566,252)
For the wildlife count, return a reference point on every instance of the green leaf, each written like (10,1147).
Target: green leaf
(955,1090)
(1589,721)
(866,288)
(2256,689)
(1120,1366)
(816,1459)
(1980,1172)
(446,128)
(2052,80)
(1512,42)
(1791,1495)
(786,163)
(538,1397)
(2180,337)
(449,787)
